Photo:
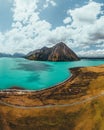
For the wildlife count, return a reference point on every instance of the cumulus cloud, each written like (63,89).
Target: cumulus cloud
(49,2)
(23,9)
(92,53)
(88,26)
(67,20)
(86,14)
(97,31)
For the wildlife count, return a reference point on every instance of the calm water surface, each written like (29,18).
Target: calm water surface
(37,75)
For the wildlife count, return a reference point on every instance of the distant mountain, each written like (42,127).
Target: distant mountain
(15,55)
(92,58)
(59,52)
(18,55)
(5,55)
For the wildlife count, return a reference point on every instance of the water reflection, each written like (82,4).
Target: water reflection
(33,77)
(34,67)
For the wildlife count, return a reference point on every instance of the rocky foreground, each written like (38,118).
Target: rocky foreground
(24,110)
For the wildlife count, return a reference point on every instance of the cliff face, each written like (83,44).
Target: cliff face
(59,52)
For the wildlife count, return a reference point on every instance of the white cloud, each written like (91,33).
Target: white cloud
(90,0)
(67,20)
(86,14)
(97,31)
(53,3)
(49,2)
(23,9)
(92,53)
(88,28)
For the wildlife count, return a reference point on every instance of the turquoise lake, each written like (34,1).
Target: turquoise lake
(37,75)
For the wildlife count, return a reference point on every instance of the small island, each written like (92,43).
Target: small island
(59,52)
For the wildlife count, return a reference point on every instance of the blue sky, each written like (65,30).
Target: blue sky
(5,15)
(26,25)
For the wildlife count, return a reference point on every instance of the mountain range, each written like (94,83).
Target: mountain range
(15,55)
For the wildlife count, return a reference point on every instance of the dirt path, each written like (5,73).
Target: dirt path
(50,106)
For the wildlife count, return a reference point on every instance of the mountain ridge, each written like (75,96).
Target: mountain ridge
(15,55)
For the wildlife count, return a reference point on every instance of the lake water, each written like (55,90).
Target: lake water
(37,75)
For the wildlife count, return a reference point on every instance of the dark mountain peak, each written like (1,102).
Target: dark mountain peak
(60,44)
(59,52)
(44,48)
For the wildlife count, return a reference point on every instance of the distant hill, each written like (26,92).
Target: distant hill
(15,55)
(92,58)
(5,55)
(18,55)
(59,52)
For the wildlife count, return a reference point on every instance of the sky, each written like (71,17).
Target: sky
(26,25)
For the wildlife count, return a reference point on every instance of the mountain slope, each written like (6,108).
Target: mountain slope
(59,52)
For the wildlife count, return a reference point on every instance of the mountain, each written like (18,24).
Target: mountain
(92,58)
(5,55)
(20,55)
(59,52)
(15,55)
